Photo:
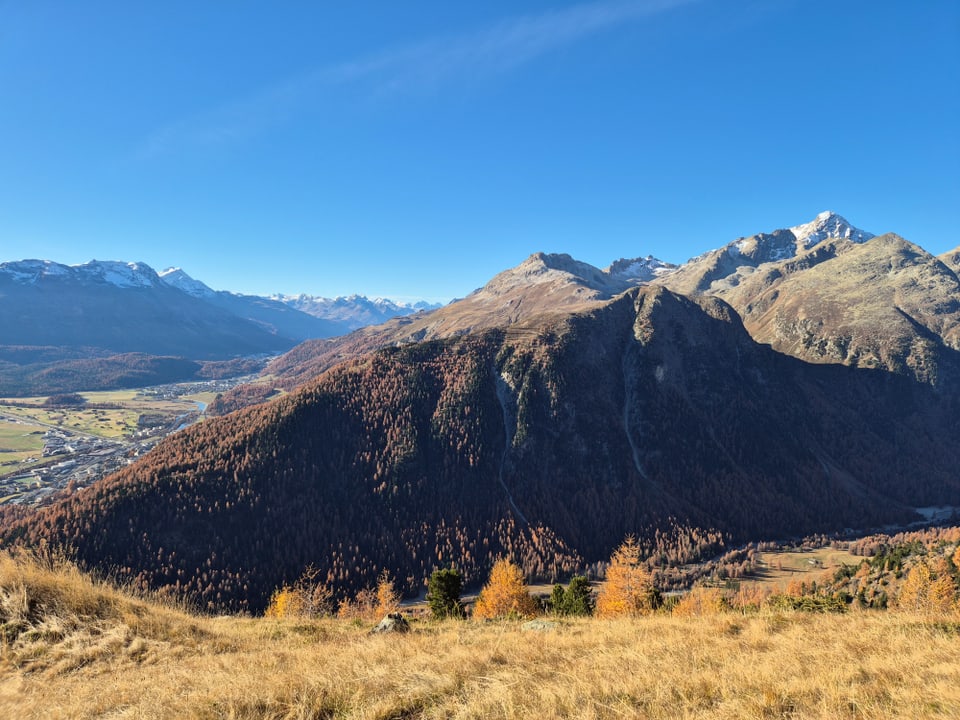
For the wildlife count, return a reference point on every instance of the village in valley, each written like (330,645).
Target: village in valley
(47,447)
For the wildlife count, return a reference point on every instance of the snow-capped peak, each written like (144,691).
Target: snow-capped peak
(353,311)
(29,271)
(827,225)
(354,301)
(120,274)
(176,277)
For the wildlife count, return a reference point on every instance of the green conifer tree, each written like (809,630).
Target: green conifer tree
(443,593)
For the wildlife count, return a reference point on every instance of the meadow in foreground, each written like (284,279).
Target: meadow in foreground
(74,648)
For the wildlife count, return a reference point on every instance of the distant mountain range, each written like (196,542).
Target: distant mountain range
(353,311)
(803,380)
(103,310)
(339,315)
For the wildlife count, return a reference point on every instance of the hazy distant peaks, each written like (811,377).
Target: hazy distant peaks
(383,304)
(353,311)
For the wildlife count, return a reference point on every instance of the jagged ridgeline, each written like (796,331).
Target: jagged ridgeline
(548,441)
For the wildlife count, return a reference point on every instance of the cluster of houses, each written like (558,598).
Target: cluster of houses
(84,459)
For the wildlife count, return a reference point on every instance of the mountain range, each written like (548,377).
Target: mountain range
(823,291)
(792,382)
(54,315)
(353,311)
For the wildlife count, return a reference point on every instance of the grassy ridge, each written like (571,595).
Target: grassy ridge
(75,648)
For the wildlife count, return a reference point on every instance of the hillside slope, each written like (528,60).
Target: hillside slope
(951,259)
(548,441)
(542,287)
(823,291)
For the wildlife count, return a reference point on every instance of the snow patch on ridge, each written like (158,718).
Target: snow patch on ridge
(176,277)
(640,269)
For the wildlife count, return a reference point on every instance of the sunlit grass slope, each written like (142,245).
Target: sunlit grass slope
(73,648)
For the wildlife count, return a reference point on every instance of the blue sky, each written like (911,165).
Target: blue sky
(416,149)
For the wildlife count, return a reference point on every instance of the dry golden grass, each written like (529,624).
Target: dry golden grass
(81,650)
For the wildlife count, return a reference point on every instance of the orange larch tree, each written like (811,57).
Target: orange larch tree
(505,594)
(700,601)
(629,589)
(924,591)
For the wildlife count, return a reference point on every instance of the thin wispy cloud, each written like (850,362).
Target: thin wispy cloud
(424,67)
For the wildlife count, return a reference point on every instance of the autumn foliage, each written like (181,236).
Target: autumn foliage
(308,597)
(505,594)
(467,449)
(629,589)
(928,589)
(372,603)
(701,601)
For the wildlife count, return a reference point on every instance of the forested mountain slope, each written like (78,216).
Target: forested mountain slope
(548,441)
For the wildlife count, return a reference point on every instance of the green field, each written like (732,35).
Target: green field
(116,417)
(111,396)
(107,423)
(17,443)
(126,399)
(109,415)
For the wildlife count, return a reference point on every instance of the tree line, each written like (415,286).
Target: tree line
(930,585)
